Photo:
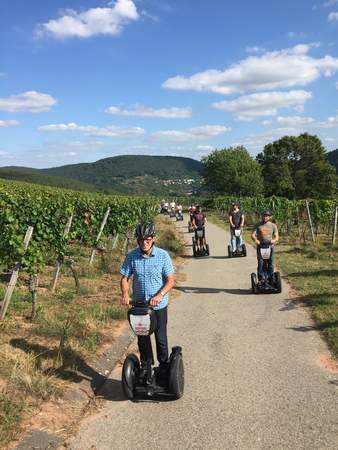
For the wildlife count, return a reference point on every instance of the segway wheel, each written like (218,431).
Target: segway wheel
(277,281)
(254,283)
(207,250)
(130,374)
(194,249)
(229,251)
(176,375)
(243,250)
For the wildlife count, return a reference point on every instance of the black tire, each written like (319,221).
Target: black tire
(130,374)
(243,250)
(194,249)
(207,250)
(176,376)
(277,281)
(254,283)
(229,251)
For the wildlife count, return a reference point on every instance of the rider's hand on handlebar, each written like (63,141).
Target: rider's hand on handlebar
(258,242)
(125,300)
(156,300)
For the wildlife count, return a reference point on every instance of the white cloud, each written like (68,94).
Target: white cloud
(333,16)
(94,21)
(205,147)
(272,70)
(266,122)
(8,123)
(329,139)
(251,106)
(257,142)
(191,134)
(90,130)
(292,121)
(326,4)
(297,34)
(144,111)
(255,49)
(337,85)
(30,101)
(331,122)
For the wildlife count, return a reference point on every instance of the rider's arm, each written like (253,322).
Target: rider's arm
(242,221)
(231,222)
(275,237)
(124,285)
(254,237)
(168,285)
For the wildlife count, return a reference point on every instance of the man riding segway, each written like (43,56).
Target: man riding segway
(199,220)
(153,277)
(265,233)
(236,220)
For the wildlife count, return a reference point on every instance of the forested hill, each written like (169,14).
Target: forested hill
(129,174)
(333,158)
(35,176)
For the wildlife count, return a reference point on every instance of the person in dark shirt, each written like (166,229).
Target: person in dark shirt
(236,220)
(199,221)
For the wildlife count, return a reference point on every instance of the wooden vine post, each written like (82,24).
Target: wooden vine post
(14,276)
(103,224)
(335,227)
(310,220)
(60,258)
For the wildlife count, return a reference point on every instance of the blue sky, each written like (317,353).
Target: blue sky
(88,79)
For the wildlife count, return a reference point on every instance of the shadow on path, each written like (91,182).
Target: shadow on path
(75,370)
(206,290)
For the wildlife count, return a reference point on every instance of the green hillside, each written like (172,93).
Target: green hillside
(136,174)
(36,177)
(130,174)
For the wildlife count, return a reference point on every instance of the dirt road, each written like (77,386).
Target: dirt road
(254,379)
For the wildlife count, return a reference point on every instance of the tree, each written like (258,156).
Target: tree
(296,167)
(232,171)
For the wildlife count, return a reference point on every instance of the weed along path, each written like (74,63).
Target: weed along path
(252,371)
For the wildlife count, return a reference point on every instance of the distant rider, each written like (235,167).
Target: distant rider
(199,220)
(265,233)
(236,219)
(153,277)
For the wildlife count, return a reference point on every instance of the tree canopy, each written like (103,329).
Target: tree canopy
(296,167)
(232,171)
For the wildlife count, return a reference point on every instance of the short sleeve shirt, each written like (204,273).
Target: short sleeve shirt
(199,219)
(236,217)
(265,231)
(149,273)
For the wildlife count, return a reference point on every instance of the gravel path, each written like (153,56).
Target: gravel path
(253,373)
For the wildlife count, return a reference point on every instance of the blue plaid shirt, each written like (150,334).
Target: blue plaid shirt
(149,273)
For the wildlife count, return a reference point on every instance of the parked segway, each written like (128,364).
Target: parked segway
(204,251)
(142,320)
(267,285)
(240,249)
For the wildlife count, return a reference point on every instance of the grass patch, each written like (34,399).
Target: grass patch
(312,270)
(169,238)
(10,416)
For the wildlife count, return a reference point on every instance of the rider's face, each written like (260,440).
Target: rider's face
(145,244)
(266,218)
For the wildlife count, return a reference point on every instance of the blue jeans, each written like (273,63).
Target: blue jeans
(236,241)
(265,266)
